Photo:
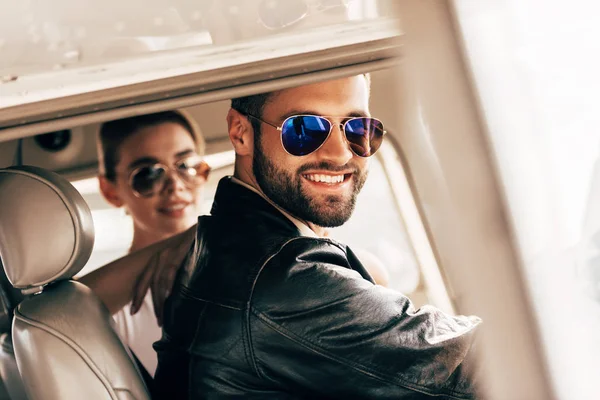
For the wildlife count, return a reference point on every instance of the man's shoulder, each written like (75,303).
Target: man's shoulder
(300,254)
(228,254)
(304,268)
(297,251)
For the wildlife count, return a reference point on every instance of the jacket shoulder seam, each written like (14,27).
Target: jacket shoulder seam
(246,327)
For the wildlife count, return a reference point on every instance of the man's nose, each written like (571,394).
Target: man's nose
(336,148)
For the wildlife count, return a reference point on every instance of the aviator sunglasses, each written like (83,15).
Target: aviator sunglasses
(148,180)
(304,134)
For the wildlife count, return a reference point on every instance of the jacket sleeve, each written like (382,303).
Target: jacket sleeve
(316,326)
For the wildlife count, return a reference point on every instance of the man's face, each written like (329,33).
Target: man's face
(320,187)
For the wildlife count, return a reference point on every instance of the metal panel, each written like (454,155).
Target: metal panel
(62,99)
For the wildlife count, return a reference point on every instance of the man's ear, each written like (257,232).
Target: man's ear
(241,133)
(109,192)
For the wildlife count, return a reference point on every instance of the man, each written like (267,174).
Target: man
(264,306)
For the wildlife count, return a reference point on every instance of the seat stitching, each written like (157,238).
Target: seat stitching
(74,346)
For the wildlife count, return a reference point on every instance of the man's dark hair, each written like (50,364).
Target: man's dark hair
(253,105)
(113,133)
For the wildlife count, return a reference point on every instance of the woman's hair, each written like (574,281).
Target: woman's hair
(113,133)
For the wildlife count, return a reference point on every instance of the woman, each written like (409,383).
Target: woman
(151,166)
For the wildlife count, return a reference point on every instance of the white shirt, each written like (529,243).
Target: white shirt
(140,331)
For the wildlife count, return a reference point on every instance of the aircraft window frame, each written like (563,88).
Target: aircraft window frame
(545,147)
(160,82)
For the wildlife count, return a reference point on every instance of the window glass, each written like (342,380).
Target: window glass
(536,72)
(376,227)
(39,35)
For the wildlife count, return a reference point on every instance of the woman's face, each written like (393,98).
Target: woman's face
(174,206)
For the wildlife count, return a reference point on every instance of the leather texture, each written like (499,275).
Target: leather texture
(259,311)
(9,373)
(67,348)
(46,230)
(63,336)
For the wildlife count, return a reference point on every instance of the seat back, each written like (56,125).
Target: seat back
(12,386)
(63,337)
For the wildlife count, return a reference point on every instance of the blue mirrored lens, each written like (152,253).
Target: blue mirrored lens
(301,135)
(364,135)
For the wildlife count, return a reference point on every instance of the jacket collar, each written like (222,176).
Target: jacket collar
(302,227)
(234,197)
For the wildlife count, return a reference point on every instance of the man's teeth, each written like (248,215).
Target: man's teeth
(325,178)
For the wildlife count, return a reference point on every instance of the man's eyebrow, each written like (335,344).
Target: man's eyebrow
(151,160)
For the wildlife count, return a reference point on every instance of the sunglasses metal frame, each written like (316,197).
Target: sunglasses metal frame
(341,125)
(166,168)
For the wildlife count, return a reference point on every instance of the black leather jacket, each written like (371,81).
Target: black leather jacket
(259,311)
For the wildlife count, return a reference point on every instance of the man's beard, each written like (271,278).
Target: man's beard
(285,190)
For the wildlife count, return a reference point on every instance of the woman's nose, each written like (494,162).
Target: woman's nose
(174,182)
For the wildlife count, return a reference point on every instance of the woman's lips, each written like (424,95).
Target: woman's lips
(174,210)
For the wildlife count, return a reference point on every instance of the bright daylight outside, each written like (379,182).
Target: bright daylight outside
(535,65)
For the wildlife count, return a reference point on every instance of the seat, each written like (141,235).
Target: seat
(9,374)
(64,340)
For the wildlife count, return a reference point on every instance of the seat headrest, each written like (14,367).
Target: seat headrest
(46,227)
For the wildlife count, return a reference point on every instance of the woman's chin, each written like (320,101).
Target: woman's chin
(174,226)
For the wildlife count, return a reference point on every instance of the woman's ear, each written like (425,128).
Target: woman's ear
(241,133)
(109,191)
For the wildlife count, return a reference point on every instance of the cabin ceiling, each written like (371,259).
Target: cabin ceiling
(39,93)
